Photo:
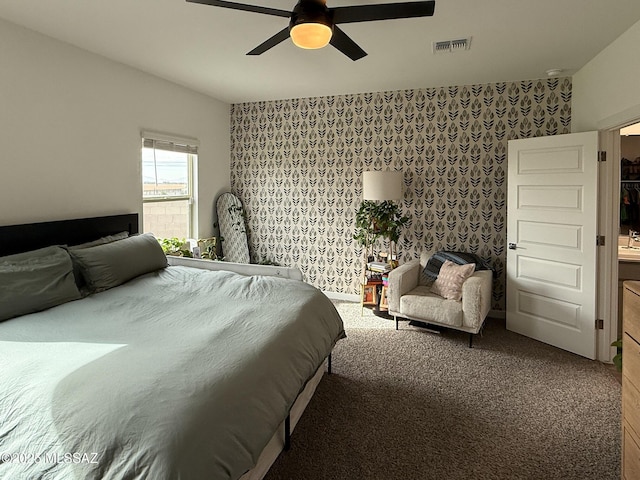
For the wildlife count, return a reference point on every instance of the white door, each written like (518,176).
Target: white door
(551,236)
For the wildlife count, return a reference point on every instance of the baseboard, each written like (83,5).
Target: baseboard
(499,314)
(349,297)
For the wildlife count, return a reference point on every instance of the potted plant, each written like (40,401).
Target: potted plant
(175,246)
(617,360)
(208,248)
(376,220)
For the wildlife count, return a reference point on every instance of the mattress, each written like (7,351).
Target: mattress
(178,374)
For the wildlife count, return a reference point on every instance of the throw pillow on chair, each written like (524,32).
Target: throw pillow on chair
(450,279)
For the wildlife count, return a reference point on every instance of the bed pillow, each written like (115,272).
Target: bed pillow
(101,241)
(109,265)
(35,280)
(450,279)
(77,271)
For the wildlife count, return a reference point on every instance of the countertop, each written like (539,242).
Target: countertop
(628,254)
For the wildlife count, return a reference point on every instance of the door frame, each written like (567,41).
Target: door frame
(609,226)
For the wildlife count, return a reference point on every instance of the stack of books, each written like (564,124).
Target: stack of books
(380,267)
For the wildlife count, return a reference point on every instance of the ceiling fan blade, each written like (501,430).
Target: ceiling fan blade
(242,6)
(385,11)
(279,37)
(342,42)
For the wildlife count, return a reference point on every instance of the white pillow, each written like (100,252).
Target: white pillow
(450,279)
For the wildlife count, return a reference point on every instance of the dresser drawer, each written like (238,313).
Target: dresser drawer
(630,454)
(630,358)
(631,310)
(631,403)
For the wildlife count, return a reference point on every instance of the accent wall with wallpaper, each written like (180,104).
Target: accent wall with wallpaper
(297,166)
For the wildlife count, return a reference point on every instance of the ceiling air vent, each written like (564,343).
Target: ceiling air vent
(449,46)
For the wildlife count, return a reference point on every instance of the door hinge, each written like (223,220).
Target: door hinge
(599,324)
(602,156)
(600,240)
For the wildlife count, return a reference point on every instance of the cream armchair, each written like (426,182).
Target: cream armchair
(409,296)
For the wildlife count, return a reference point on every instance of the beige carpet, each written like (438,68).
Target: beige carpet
(410,404)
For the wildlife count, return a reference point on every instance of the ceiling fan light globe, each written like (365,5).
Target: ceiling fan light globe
(311,35)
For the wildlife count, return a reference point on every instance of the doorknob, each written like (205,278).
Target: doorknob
(512,246)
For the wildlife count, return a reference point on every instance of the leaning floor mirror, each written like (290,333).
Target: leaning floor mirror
(233,231)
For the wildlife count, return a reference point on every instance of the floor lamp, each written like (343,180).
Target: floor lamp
(382,186)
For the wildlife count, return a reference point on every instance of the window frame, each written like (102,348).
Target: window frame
(186,145)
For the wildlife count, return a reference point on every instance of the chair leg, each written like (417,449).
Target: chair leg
(396,319)
(471,340)
(287,432)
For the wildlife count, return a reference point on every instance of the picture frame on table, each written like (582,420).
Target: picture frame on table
(369,295)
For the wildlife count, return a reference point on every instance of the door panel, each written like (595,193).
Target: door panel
(549,272)
(566,198)
(552,160)
(551,220)
(549,309)
(544,233)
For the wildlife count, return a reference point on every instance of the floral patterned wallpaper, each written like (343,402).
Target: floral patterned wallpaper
(297,166)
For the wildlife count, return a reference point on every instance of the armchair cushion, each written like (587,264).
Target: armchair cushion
(421,304)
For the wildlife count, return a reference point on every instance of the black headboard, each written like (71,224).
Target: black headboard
(30,236)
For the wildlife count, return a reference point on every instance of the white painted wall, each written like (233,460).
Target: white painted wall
(606,91)
(606,95)
(70,125)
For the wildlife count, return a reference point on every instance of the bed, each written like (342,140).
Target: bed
(177,373)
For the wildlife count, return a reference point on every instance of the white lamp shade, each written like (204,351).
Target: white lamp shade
(382,185)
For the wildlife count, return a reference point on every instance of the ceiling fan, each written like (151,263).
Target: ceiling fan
(313,25)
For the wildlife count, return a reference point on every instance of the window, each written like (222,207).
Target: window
(168,173)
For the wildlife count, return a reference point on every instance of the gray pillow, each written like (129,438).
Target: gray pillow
(77,271)
(36,280)
(109,265)
(101,241)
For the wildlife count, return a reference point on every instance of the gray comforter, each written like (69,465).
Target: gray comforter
(179,374)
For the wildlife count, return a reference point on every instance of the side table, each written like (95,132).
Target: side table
(374,293)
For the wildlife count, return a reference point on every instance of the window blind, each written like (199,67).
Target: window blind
(170,143)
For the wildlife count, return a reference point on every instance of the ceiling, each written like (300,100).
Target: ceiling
(203,47)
